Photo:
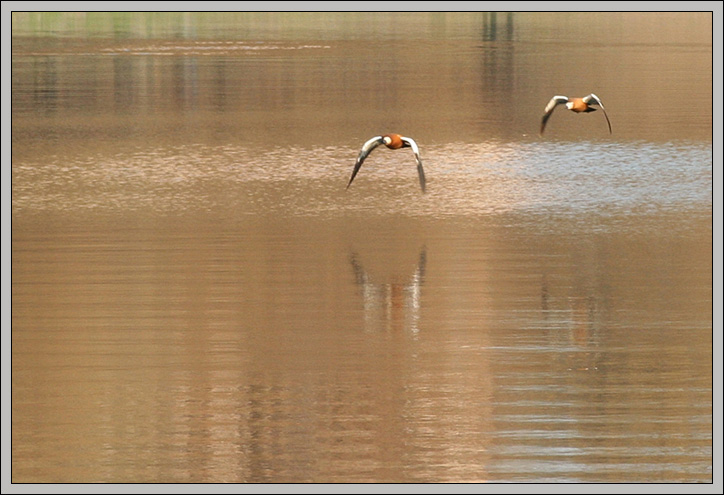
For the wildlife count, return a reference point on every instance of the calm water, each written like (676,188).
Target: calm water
(197,298)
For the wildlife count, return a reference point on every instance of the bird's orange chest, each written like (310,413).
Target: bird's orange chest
(578,105)
(395,141)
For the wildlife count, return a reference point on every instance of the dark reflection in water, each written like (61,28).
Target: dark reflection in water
(490,26)
(449,87)
(197,298)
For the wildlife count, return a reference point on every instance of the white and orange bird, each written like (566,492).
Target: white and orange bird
(393,142)
(578,105)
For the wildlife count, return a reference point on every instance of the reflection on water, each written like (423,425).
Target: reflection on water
(200,352)
(399,302)
(445,83)
(197,298)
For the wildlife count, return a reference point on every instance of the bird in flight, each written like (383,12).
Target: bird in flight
(578,105)
(393,142)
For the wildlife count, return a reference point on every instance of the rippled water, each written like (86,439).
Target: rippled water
(197,298)
(465,180)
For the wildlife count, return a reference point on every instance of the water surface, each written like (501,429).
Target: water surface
(197,298)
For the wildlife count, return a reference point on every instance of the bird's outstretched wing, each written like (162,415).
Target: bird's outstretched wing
(595,100)
(366,150)
(416,150)
(555,101)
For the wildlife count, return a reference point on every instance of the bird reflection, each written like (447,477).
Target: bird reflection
(395,304)
(576,315)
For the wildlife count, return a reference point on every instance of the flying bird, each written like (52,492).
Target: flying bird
(578,105)
(393,142)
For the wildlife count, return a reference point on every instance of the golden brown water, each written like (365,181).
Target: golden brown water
(197,298)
